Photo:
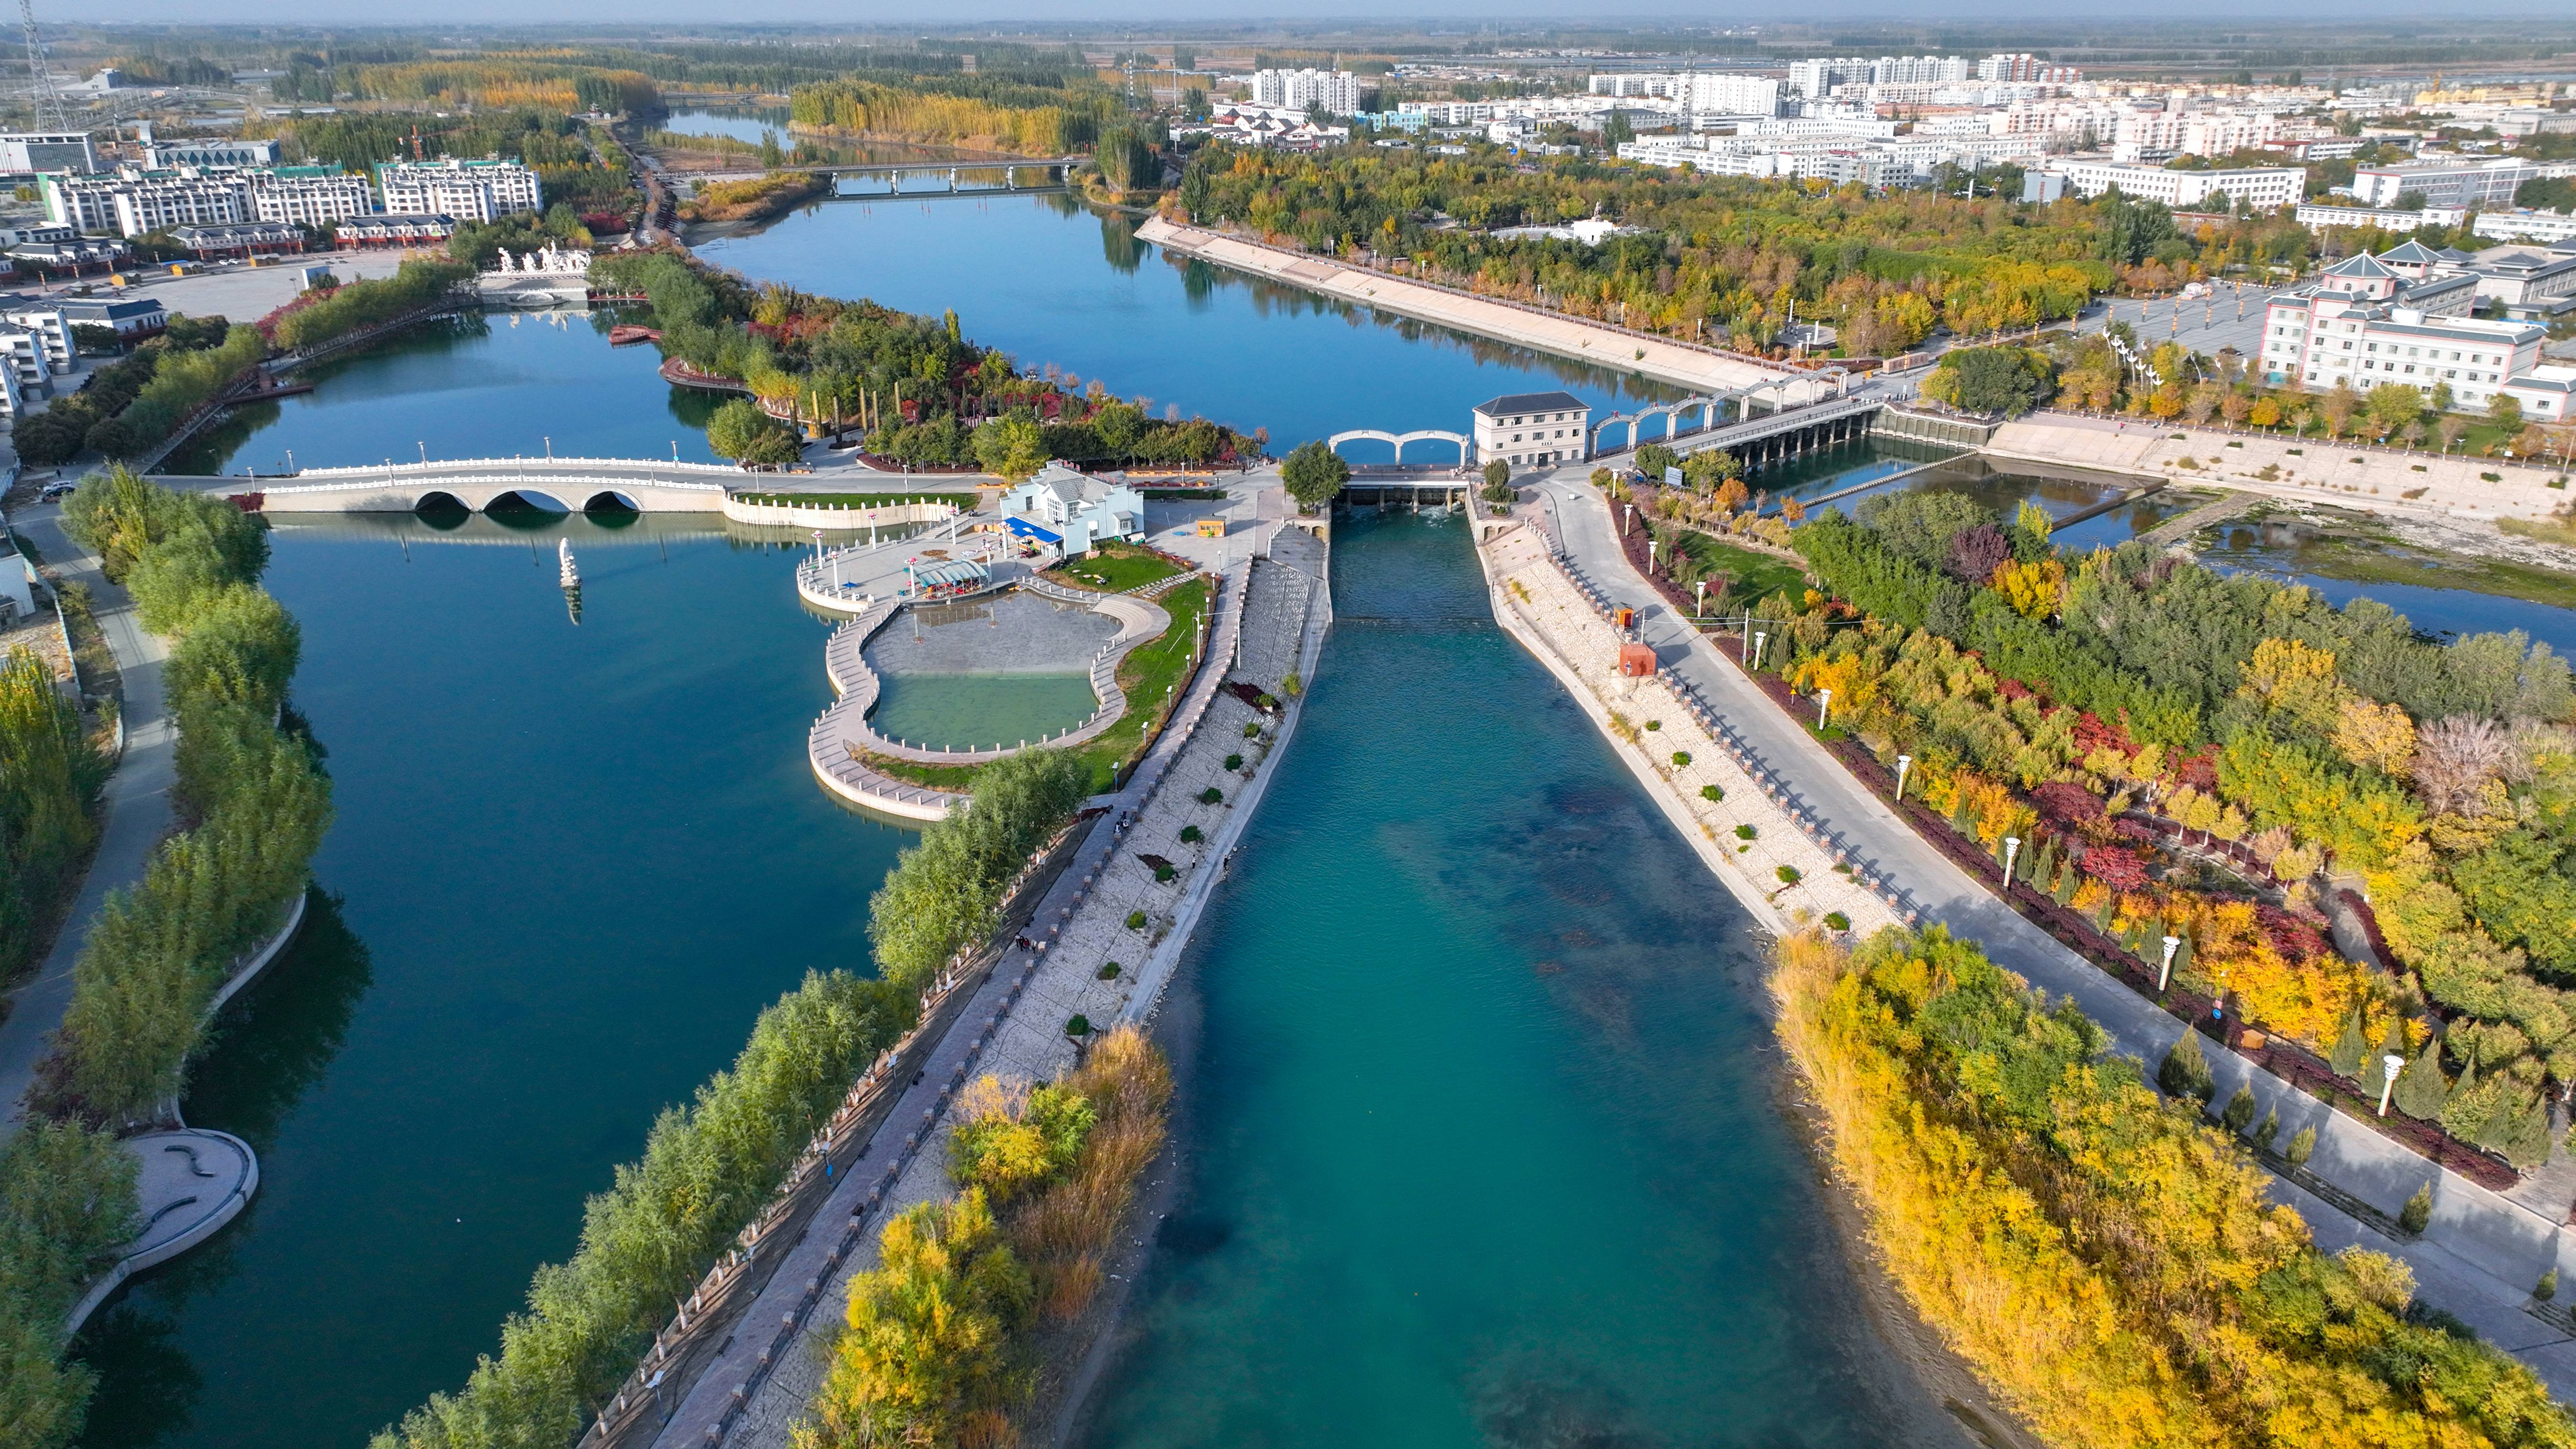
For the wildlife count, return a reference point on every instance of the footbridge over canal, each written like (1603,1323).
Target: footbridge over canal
(563,485)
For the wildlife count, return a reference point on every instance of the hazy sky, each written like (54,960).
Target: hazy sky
(949,16)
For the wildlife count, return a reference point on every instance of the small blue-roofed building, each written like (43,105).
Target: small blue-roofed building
(1071,511)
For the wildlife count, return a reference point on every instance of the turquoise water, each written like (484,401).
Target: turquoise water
(495,385)
(573,863)
(1484,1136)
(978,711)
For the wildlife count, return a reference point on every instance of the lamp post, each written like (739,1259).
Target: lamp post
(1626,525)
(1700,610)
(2012,849)
(1651,546)
(1824,706)
(2388,1082)
(1903,764)
(1758,639)
(2164,973)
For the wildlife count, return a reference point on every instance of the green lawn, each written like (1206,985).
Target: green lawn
(1752,576)
(1148,670)
(1113,568)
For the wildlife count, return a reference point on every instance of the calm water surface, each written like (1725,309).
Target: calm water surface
(572,864)
(1485,1136)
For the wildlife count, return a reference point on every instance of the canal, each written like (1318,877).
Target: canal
(1482,1062)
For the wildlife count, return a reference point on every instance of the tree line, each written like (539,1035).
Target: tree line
(2105,1259)
(131,405)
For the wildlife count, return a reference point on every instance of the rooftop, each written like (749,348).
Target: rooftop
(1533,402)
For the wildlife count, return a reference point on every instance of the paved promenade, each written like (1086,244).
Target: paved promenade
(1015,1024)
(134,811)
(1697,368)
(2482,1252)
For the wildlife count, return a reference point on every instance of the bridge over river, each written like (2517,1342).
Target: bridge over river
(563,485)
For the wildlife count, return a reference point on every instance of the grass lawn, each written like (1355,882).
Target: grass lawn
(1148,670)
(1751,576)
(854,500)
(1113,568)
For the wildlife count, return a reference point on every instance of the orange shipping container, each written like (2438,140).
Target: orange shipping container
(1636,661)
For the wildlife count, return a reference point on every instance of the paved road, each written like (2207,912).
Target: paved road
(2481,1254)
(135,812)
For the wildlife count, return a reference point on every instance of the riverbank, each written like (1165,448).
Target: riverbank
(1064,976)
(1704,370)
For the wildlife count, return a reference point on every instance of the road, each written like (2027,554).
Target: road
(2480,1255)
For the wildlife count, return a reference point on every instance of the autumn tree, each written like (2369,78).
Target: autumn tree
(2379,736)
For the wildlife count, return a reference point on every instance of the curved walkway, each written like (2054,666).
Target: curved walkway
(2482,1252)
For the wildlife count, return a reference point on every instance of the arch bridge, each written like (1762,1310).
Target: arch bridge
(563,485)
(1466,446)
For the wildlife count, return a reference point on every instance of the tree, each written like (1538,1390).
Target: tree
(2393,405)
(1654,458)
(1010,447)
(2379,736)
(1616,132)
(2423,1089)
(1987,380)
(2505,412)
(741,431)
(2349,1048)
(2185,1072)
(1313,474)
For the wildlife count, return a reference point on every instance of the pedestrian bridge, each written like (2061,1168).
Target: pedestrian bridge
(562,485)
(1466,447)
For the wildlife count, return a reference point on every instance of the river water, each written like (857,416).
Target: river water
(1485,1140)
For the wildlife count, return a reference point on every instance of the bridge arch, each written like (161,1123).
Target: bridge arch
(524,498)
(1466,446)
(439,500)
(611,501)
(1706,405)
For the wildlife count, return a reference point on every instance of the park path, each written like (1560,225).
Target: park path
(2482,1251)
(134,812)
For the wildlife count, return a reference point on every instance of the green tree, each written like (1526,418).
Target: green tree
(1010,447)
(2422,1089)
(2505,412)
(1654,458)
(2185,1072)
(741,431)
(2349,1047)
(1313,473)
(1616,132)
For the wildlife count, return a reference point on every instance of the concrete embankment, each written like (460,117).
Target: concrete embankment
(1271,615)
(2309,470)
(1700,369)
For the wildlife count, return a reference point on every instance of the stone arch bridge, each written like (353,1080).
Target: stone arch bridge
(565,485)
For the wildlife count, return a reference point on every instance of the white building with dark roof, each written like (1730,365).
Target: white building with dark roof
(2360,325)
(1071,510)
(1534,429)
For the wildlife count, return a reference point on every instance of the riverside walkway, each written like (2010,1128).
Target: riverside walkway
(2482,1250)
(1015,1023)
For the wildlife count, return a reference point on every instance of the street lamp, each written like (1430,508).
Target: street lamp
(2388,1083)
(1701,608)
(1903,764)
(1651,546)
(1757,649)
(1824,706)
(1625,526)
(2012,848)
(2165,972)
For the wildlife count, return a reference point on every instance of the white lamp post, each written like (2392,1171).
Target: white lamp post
(2165,972)
(1903,764)
(1626,526)
(1757,649)
(1651,546)
(1824,706)
(1701,607)
(2388,1084)
(2012,848)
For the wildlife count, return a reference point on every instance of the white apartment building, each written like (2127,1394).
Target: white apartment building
(2192,133)
(2317,216)
(1717,93)
(2547,393)
(24,355)
(2462,182)
(2261,186)
(2353,326)
(134,203)
(314,199)
(1815,79)
(52,331)
(2535,226)
(465,190)
(2029,68)
(1337,91)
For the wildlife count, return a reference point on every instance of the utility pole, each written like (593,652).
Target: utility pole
(47,101)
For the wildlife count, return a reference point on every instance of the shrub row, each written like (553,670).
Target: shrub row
(944,894)
(319,317)
(130,406)
(2102,1257)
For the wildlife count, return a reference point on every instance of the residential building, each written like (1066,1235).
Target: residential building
(409,230)
(2531,226)
(1334,91)
(1816,79)
(53,333)
(48,151)
(315,196)
(208,153)
(13,403)
(1718,93)
(467,190)
(131,320)
(18,236)
(2528,121)
(1073,511)
(2354,326)
(2318,215)
(2263,187)
(134,202)
(25,357)
(248,239)
(2027,68)
(2462,181)
(1249,125)
(1534,429)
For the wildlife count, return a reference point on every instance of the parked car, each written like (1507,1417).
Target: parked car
(55,490)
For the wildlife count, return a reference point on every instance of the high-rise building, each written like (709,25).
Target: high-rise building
(1715,93)
(1334,91)
(310,196)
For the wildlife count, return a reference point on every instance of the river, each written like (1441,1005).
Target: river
(1482,1073)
